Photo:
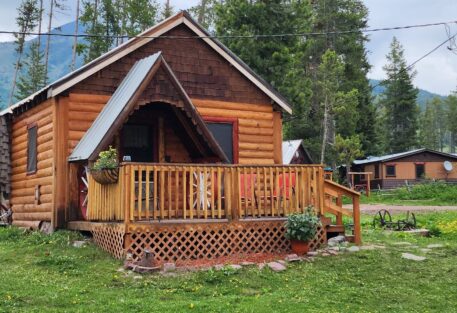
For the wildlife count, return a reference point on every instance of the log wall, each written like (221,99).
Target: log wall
(5,160)
(28,211)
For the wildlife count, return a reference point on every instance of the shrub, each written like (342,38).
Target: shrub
(302,226)
(106,160)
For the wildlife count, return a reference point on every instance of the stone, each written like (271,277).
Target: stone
(334,241)
(418,232)
(343,249)
(368,247)
(336,248)
(292,258)
(218,267)
(261,266)
(235,267)
(169,267)
(401,243)
(137,277)
(325,254)
(282,262)
(425,250)
(332,252)
(435,245)
(353,249)
(412,257)
(120,270)
(79,244)
(312,253)
(276,266)
(245,263)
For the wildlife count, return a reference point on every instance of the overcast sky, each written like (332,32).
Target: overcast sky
(436,73)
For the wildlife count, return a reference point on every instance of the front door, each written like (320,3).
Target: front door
(137,141)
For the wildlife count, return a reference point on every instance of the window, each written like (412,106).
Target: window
(32,149)
(390,170)
(420,170)
(376,171)
(223,133)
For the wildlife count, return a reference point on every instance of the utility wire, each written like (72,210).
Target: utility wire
(255,36)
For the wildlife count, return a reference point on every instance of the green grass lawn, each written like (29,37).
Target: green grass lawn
(45,274)
(424,194)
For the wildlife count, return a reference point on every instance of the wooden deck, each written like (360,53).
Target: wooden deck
(189,211)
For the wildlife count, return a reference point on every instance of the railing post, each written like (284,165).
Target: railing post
(356,217)
(235,192)
(127,193)
(339,203)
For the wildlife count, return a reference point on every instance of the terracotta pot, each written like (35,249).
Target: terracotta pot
(299,247)
(105,176)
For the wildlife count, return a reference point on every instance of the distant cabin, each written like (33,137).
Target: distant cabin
(393,170)
(293,152)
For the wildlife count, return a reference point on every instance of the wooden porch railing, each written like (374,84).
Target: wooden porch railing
(148,192)
(333,204)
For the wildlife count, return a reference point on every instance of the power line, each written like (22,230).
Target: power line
(254,36)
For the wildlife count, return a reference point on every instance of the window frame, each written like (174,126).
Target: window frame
(235,139)
(377,172)
(35,168)
(395,170)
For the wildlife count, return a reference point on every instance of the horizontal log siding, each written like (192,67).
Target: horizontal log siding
(255,127)
(82,111)
(174,148)
(25,211)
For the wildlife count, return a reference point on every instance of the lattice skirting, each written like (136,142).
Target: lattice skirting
(212,240)
(110,237)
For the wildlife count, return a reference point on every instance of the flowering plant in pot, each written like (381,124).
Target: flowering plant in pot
(301,228)
(106,168)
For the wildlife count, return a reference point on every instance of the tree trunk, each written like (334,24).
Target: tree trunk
(39,23)
(75,41)
(324,135)
(48,40)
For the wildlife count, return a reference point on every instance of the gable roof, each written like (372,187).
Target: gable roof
(140,40)
(395,156)
(123,101)
(289,147)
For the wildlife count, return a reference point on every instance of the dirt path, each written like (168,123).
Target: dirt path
(373,208)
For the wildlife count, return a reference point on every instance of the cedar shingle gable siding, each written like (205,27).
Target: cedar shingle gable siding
(203,73)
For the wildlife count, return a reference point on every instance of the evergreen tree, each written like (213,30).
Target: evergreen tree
(109,21)
(429,134)
(348,149)
(451,120)
(33,77)
(28,16)
(399,101)
(167,10)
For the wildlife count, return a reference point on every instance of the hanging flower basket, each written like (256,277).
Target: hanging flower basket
(105,176)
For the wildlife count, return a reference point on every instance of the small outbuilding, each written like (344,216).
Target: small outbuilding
(394,170)
(294,152)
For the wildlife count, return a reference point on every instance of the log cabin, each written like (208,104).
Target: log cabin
(198,135)
(294,152)
(412,167)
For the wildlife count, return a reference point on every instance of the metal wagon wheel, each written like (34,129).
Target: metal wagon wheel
(408,223)
(382,219)
(5,215)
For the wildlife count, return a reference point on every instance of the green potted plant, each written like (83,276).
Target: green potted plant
(106,168)
(301,228)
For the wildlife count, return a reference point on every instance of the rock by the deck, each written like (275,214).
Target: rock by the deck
(353,249)
(401,243)
(293,258)
(79,243)
(261,266)
(412,257)
(169,267)
(276,266)
(435,245)
(312,253)
(218,267)
(246,263)
(334,241)
(235,267)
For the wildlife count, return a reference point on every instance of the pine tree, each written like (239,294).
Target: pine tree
(167,10)
(75,39)
(34,77)
(429,126)
(28,16)
(399,101)
(451,120)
